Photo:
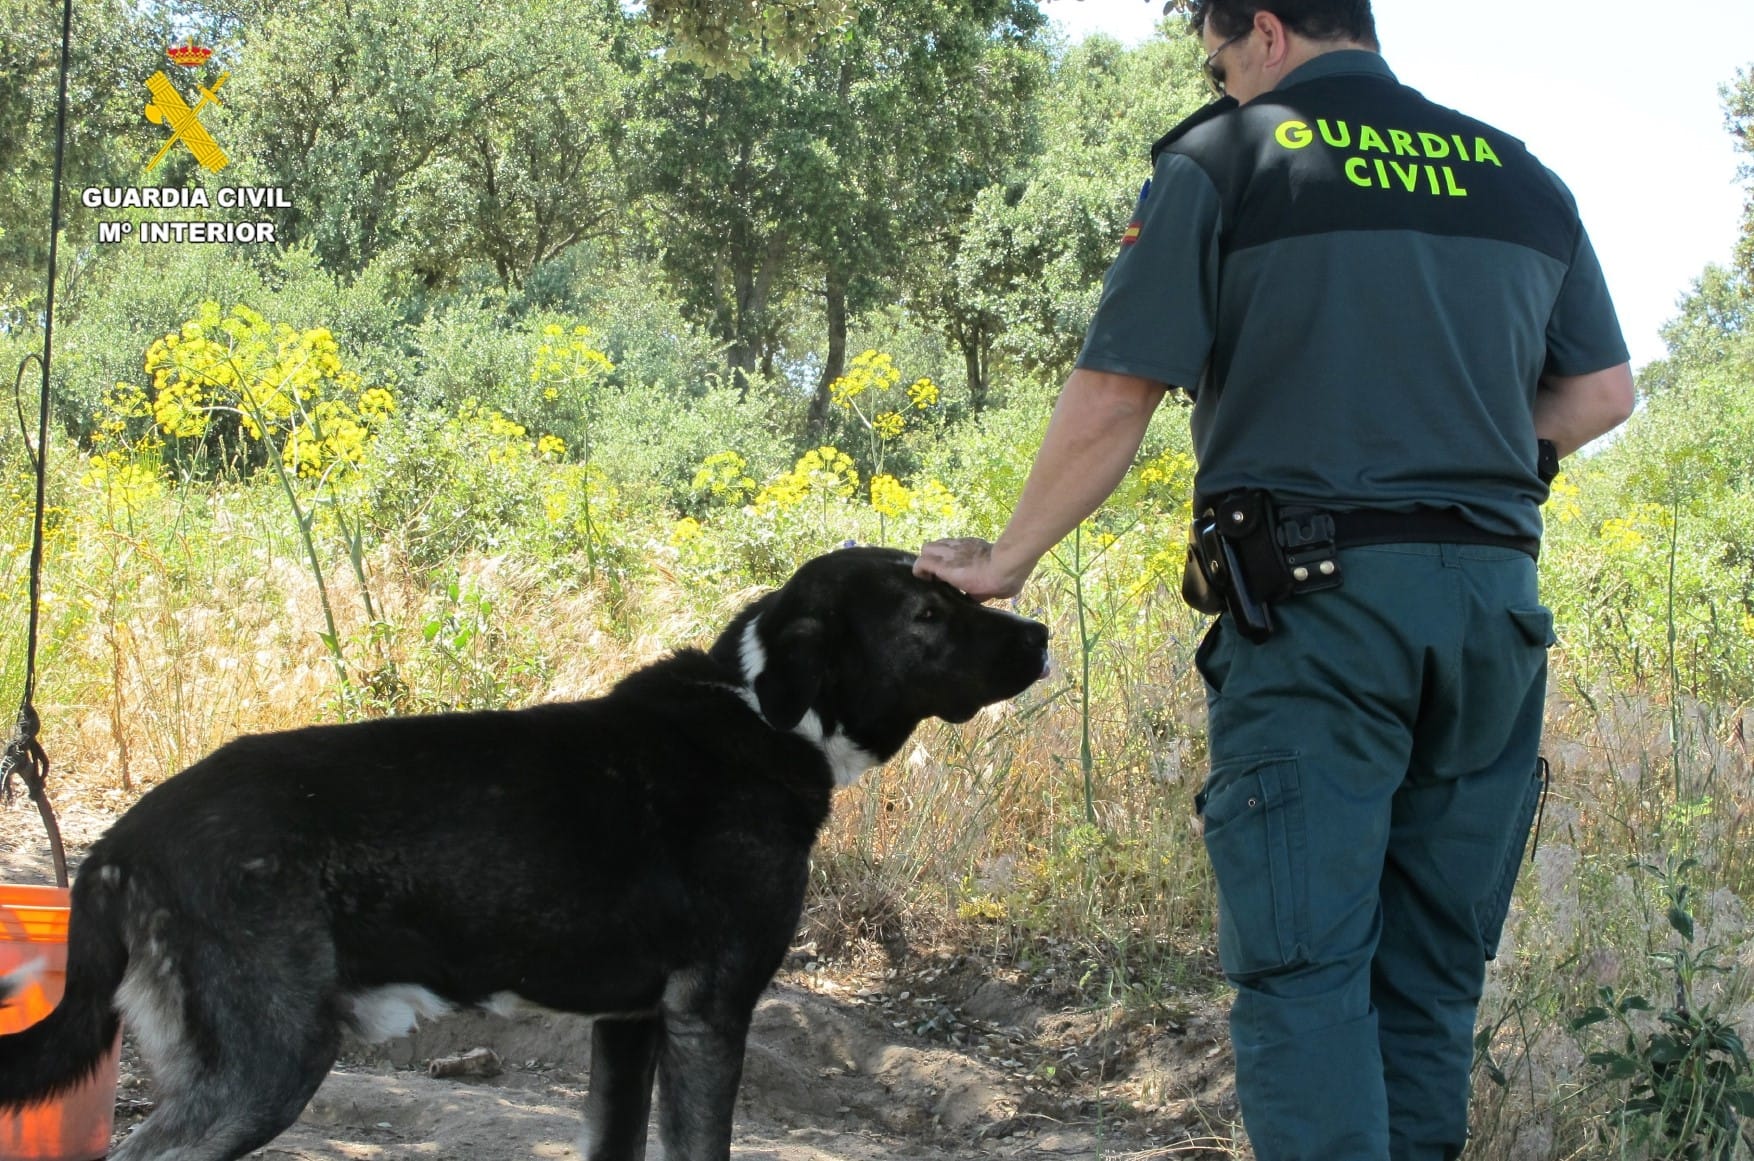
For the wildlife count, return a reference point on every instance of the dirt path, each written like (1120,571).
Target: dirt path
(823,1081)
(935,1057)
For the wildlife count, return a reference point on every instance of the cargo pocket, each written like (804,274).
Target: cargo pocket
(1256,838)
(1495,908)
(1212,659)
(1536,625)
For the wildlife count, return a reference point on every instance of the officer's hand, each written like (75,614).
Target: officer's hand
(968,563)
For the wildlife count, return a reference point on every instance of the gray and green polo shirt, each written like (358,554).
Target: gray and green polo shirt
(1361,290)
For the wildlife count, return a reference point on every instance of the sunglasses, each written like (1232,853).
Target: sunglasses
(1214,76)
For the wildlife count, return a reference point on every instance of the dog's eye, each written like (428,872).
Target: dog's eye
(926,614)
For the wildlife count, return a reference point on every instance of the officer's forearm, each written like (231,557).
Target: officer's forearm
(1573,410)
(1095,432)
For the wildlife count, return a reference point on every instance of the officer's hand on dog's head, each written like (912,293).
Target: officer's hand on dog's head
(967,562)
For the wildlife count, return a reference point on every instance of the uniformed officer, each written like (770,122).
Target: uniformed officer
(1379,306)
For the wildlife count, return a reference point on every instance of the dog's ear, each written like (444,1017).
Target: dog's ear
(797,660)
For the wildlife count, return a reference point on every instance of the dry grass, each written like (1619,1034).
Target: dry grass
(976,835)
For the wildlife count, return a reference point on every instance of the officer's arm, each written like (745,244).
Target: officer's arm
(1571,410)
(1091,441)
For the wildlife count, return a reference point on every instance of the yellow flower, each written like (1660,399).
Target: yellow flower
(375,401)
(983,909)
(934,497)
(279,382)
(821,471)
(1562,497)
(889,424)
(179,411)
(501,426)
(722,474)
(551,447)
(781,492)
(685,530)
(829,469)
(922,393)
(889,496)
(870,371)
(1620,535)
(128,484)
(567,359)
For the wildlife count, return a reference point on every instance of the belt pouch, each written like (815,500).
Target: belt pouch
(1197,588)
(1246,519)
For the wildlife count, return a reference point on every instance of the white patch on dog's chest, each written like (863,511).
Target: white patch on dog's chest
(751,653)
(846,760)
(754,660)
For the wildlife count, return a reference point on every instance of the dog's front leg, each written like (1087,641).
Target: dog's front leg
(624,1055)
(699,1069)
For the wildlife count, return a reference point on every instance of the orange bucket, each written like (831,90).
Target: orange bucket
(75,1127)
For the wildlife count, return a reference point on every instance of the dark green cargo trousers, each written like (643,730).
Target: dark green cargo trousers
(1373,782)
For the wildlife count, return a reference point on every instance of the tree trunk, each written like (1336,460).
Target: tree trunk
(752,345)
(973,335)
(976,352)
(835,365)
(740,355)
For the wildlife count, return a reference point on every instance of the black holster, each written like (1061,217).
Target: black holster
(1243,556)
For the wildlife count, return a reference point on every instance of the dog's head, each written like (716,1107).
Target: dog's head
(856,651)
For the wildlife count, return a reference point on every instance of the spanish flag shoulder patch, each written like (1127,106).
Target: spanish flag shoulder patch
(1138,223)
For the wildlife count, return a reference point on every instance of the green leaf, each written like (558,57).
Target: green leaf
(1590,1016)
(1681,922)
(1725,1039)
(1615,1065)
(1665,1050)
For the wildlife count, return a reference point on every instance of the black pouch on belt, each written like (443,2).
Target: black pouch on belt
(1198,587)
(1235,564)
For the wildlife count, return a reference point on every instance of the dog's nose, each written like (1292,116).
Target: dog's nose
(1038,639)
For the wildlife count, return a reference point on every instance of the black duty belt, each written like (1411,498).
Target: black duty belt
(1246,553)
(1356,527)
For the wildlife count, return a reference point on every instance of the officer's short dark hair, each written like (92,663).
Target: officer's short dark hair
(1315,19)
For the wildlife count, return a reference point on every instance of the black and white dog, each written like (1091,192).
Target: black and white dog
(640,856)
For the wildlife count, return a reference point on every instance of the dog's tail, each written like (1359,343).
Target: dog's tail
(63,1050)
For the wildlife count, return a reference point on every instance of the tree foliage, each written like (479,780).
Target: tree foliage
(115,47)
(1025,275)
(1738,98)
(729,35)
(831,176)
(1677,548)
(439,131)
